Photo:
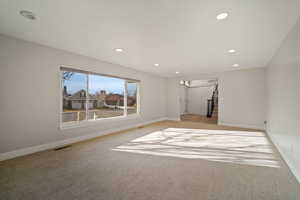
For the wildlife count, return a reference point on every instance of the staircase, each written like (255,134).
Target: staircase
(215,110)
(212,104)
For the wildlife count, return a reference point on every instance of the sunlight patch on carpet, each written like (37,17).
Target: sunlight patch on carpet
(241,147)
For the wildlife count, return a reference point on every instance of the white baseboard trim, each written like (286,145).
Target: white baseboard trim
(285,158)
(43,147)
(242,125)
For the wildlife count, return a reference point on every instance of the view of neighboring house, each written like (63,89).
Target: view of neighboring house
(99,100)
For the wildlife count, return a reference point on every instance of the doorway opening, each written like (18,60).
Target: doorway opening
(199,101)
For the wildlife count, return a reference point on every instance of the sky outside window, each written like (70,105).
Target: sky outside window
(109,84)
(96,83)
(76,82)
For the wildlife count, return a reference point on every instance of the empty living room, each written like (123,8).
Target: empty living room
(150,100)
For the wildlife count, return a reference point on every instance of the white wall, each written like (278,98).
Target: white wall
(197,99)
(241,97)
(183,99)
(30,94)
(283,102)
(173,99)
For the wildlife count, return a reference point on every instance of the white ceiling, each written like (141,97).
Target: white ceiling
(180,35)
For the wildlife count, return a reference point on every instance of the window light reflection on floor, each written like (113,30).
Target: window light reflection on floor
(241,147)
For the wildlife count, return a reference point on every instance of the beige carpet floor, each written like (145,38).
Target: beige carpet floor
(163,161)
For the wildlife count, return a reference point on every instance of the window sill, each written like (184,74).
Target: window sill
(70,125)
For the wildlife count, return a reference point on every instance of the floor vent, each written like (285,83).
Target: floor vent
(64,147)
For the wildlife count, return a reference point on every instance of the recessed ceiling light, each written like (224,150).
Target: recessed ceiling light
(177,72)
(28,14)
(156,65)
(119,50)
(231,51)
(222,16)
(235,65)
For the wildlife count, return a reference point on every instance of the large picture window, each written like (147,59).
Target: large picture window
(89,96)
